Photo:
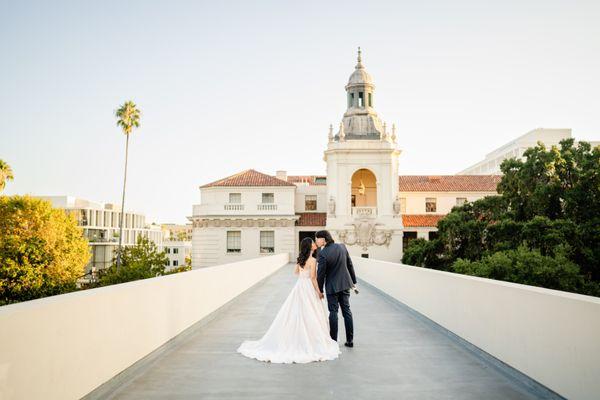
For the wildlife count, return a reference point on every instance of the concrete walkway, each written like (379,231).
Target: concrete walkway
(397,356)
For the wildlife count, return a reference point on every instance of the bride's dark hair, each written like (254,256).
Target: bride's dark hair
(305,251)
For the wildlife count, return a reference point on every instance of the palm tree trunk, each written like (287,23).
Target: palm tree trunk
(122,204)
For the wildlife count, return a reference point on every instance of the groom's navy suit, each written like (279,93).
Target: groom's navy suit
(336,273)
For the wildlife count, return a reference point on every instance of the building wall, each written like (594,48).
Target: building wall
(209,244)
(100,225)
(415,201)
(302,190)
(177,252)
(215,201)
(515,149)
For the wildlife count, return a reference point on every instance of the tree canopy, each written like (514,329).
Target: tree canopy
(542,229)
(42,250)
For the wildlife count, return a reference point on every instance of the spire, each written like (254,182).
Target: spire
(359,60)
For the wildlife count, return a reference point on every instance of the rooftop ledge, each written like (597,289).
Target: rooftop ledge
(420,332)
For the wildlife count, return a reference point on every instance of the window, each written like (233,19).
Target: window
(370,99)
(175,251)
(310,203)
(235,198)
(460,201)
(361,99)
(167,250)
(320,180)
(433,235)
(175,263)
(402,205)
(351,100)
(267,242)
(268,198)
(353,200)
(406,238)
(430,204)
(234,241)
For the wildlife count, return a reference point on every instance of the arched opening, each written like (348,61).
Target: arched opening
(364,192)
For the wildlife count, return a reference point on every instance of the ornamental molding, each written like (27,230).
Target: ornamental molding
(364,232)
(242,223)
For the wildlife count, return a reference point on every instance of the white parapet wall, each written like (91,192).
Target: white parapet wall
(63,347)
(551,336)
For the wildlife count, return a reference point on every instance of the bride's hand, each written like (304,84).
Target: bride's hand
(321,295)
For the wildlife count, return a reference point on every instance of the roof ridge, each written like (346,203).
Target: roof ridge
(269,180)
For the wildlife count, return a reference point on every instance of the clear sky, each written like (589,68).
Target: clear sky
(225,86)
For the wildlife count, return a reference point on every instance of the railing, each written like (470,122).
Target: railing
(89,336)
(233,207)
(364,211)
(533,330)
(266,207)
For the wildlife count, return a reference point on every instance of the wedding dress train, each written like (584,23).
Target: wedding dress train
(300,331)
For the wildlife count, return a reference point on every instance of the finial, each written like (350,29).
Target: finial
(384,134)
(330,132)
(359,59)
(394,133)
(342,134)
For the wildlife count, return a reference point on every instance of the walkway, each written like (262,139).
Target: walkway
(397,356)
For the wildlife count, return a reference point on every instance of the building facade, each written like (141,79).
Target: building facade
(362,200)
(515,149)
(100,224)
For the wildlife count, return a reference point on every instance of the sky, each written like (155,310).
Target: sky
(226,86)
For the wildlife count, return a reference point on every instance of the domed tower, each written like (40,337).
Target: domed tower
(362,175)
(360,119)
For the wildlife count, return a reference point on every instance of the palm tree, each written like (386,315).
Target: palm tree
(128,117)
(6,174)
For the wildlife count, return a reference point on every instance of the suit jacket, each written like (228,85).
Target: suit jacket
(335,270)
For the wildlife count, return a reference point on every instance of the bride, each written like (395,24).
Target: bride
(300,331)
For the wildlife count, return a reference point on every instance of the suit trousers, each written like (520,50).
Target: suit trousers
(334,302)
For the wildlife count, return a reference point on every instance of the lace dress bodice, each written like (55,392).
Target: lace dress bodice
(304,272)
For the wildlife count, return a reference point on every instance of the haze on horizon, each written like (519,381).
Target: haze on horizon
(228,86)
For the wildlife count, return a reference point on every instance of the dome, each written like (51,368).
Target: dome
(360,76)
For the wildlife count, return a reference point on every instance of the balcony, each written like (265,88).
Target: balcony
(420,334)
(368,212)
(266,207)
(233,207)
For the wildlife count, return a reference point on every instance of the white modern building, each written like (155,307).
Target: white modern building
(362,200)
(177,241)
(178,252)
(100,224)
(515,149)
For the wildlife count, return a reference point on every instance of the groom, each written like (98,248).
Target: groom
(336,272)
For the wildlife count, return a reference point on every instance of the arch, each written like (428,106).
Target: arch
(364,188)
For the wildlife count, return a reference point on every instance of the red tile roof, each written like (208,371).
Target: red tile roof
(449,183)
(310,179)
(311,219)
(421,220)
(249,177)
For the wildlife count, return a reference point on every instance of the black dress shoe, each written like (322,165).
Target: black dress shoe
(349,344)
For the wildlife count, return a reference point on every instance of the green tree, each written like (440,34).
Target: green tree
(141,261)
(528,267)
(6,174)
(547,210)
(128,118)
(42,250)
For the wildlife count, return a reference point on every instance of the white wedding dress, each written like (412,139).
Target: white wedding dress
(300,331)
